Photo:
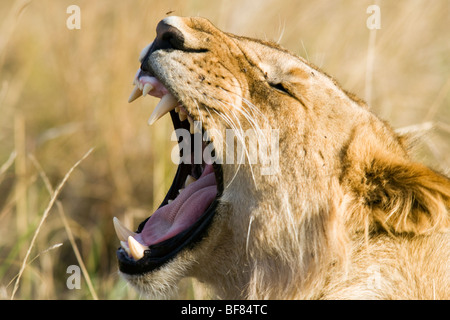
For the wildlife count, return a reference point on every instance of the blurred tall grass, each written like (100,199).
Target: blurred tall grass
(64,91)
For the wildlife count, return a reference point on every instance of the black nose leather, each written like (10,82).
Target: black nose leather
(167,37)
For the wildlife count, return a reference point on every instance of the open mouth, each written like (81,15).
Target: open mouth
(190,204)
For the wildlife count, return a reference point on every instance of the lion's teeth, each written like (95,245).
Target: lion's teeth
(124,245)
(136,93)
(189,180)
(144,52)
(191,125)
(147,88)
(122,232)
(182,116)
(167,103)
(207,136)
(136,249)
(135,80)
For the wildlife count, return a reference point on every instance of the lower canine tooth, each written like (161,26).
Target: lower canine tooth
(124,246)
(136,249)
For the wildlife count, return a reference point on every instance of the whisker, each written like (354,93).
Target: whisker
(198,109)
(239,134)
(232,118)
(231,124)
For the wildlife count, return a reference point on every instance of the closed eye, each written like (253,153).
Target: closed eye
(279,87)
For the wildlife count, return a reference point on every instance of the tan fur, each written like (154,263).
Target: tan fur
(349,214)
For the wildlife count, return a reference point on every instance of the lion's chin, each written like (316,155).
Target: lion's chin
(163,282)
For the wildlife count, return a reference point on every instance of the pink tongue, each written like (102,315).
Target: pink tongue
(184,211)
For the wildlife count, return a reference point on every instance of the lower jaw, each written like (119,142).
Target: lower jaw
(163,252)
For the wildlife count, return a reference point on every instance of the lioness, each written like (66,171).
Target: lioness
(333,207)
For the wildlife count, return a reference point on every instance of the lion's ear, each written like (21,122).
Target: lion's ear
(407,197)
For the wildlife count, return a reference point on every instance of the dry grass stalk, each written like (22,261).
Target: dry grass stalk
(44,216)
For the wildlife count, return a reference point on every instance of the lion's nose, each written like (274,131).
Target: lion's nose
(167,37)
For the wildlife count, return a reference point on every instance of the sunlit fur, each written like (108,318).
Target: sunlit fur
(349,214)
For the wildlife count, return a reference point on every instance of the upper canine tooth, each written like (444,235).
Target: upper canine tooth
(136,93)
(167,103)
(189,180)
(122,232)
(147,88)
(136,249)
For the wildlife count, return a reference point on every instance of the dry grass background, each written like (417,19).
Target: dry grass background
(63,92)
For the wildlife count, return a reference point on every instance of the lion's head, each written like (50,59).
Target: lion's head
(281,170)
